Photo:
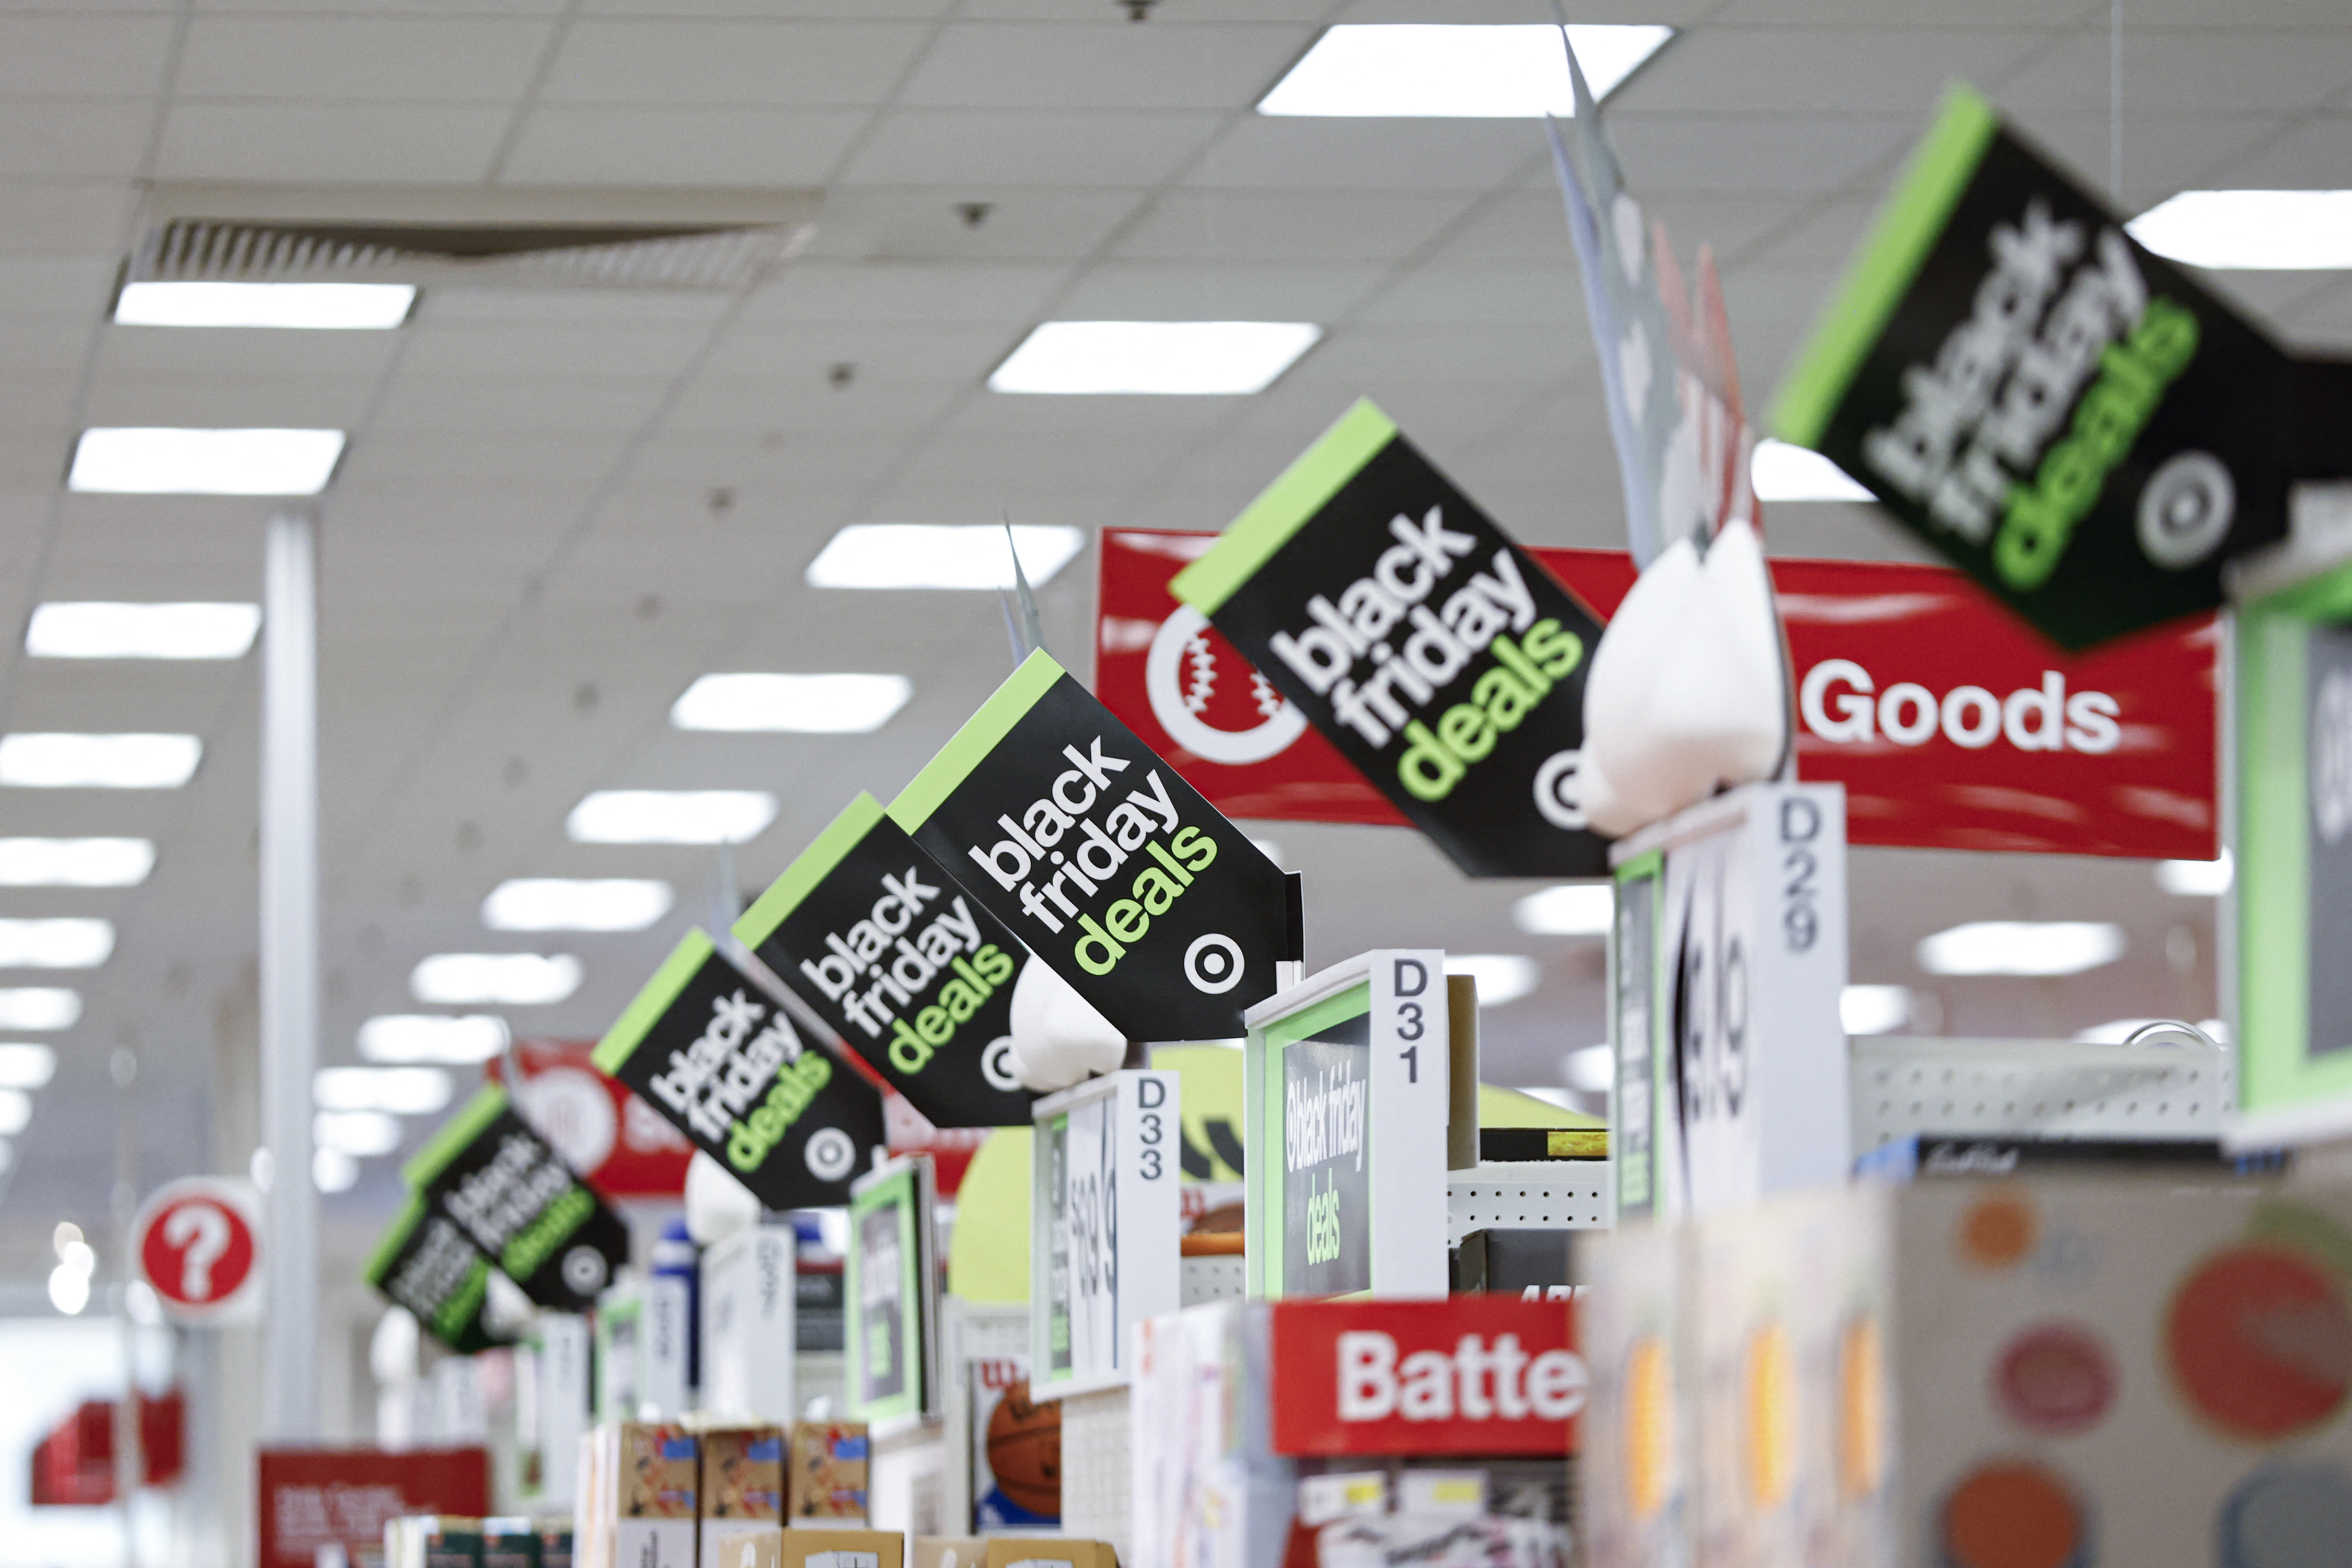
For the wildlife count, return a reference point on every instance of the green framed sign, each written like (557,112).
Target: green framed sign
(1639,1009)
(891,1283)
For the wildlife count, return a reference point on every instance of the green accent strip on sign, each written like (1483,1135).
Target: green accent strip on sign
(1907,227)
(979,736)
(379,1263)
(628,1031)
(1309,1022)
(1284,507)
(453,1134)
(813,866)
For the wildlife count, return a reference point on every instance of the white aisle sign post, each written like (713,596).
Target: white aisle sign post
(1412,1048)
(198,1243)
(1103,1225)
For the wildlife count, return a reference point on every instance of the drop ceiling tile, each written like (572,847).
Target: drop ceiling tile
(808,10)
(33,285)
(546,348)
(2162,153)
(1215,227)
(2217,70)
(335,142)
(130,352)
(82,54)
(1454,354)
(1743,154)
(49,139)
(797,361)
(2314,155)
(1107,66)
(230,401)
(1143,290)
(931,223)
(895,293)
(1283,152)
(1483,294)
(1039,148)
(1839,14)
(1113,12)
(64,215)
(436,60)
(625,310)
(1718,70)
(679,62)
(570,145)
(394,7)
(1676,12)
(721,403)
(46,342)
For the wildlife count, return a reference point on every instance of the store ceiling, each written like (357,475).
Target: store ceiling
(558,509)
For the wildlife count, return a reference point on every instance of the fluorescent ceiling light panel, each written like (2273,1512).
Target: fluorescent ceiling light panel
(15,1111)
(1572,909)
(97,761)
(333,1170)
(495,979)
(565,903)
(316,307)
(1457,71)
(941,556)
(2256,231)
(362,1134)
(39,1007)
(73,942)
(2021,947)
(75,862)
(26,1065)
(1503,977)
(2196,879)
(394,1091)
(1166,359)
(1591,1068)
(670,816)
(1874,1009)
(404,1037)
(72,630)
(152,461)
(803,704)
(1782,472)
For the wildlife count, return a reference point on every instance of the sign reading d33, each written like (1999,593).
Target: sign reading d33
(1052,815)
(1434,652)
(902,963)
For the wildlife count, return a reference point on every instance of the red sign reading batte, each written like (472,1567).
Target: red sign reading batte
(1951,724)
(195,1242)
(1466,1374)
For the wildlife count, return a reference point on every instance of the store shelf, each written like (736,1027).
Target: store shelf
(1528,1194)
(2052,1088)
(1212,1280)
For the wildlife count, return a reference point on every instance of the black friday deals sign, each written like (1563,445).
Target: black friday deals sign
(1140,893)
(1433,651)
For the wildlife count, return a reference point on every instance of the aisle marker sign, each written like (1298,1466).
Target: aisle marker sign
(195,1242)
(905,966)
(707,1049)
(892,1288)
(516,1199)
(1430,648)
(428,1265)
(2065,416)
(1053,816)
(1103,1196)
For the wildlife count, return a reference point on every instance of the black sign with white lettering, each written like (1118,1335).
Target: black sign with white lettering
(906,966)
(516,1199)
(707,1049)
(1116,873)
(1427,646)
(2068,417)
(426,1265)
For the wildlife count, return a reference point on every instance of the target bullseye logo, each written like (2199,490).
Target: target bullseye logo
(1213,964)
(2185,510)
(996,1064)
(585,1271)
(831,1155)
(1179,676)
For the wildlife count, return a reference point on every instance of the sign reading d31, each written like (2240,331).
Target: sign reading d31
(1053,815)
(1434,652)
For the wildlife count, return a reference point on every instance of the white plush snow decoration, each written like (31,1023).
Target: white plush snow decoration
(1058,1039)
(717,1205)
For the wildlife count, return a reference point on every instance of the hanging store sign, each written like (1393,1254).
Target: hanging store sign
(1951,725)
(615,1141)
(707,1049)
(427,1265)
(905,966)
(1103,1197)
(196,1243)
(893,1287)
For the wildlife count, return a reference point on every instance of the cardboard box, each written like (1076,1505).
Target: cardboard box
(1049,1552)
(742,1483)
(948,1551)
(657,1484)
(741,1543)
(806,1548)
(828,1471)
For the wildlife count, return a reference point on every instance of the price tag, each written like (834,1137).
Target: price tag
(1105,1221)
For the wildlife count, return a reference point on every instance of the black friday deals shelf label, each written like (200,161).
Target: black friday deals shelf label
(426,1263)
(905,966)
(1427,646)
(2066,416)
(516,1199)
(1118,875)
(706,1048)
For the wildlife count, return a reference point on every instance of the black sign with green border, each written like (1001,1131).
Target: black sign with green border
(1134,888)
(909,969)
(2066,416)
(1434,652)
(710,1051)
(516,1199)
(426,1263)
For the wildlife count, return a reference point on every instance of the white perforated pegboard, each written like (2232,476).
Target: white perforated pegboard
(2056,1087)
(1096,1485)
(1221,1278)
(1528,1194)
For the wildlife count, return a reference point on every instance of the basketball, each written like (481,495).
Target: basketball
(1025,1451)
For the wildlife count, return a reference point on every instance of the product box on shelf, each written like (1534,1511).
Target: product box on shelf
(742,1488)
(1049,1552)
(827,1480)
(639,1497)
(948,1551)
(750,1281)
(805,1548)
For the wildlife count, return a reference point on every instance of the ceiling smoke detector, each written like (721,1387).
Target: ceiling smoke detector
(433,235)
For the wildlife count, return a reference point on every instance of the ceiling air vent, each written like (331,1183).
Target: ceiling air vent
(520,237)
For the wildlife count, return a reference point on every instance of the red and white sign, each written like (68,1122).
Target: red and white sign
(1466,1374)
(197,1242)
(620,1145)
(1951,723)
(312,1499)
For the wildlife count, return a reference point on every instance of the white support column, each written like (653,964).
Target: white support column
(289,979)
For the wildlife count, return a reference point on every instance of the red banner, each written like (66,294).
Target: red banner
(1468,1374)
(618,1143)
(1951,723)
(312,1498)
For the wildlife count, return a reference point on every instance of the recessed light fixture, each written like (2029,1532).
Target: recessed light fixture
(1503,977)
(84,630)
(97,761)
(1873,1009)
(2021,947)
(144,460)
(671,817)
(804,704)
(69,941)
(941,556)
(15,1111)
(460,1040)
(39,1007)
(495,979)
(394,1091)
(75,862)
(2265,231)
(1783,472)
(364,1134)
(2196,879)
(565,903)
(1461,71)
(332,1170)
(26,1064)
(1181,359)
(1572,909)
(315,307)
